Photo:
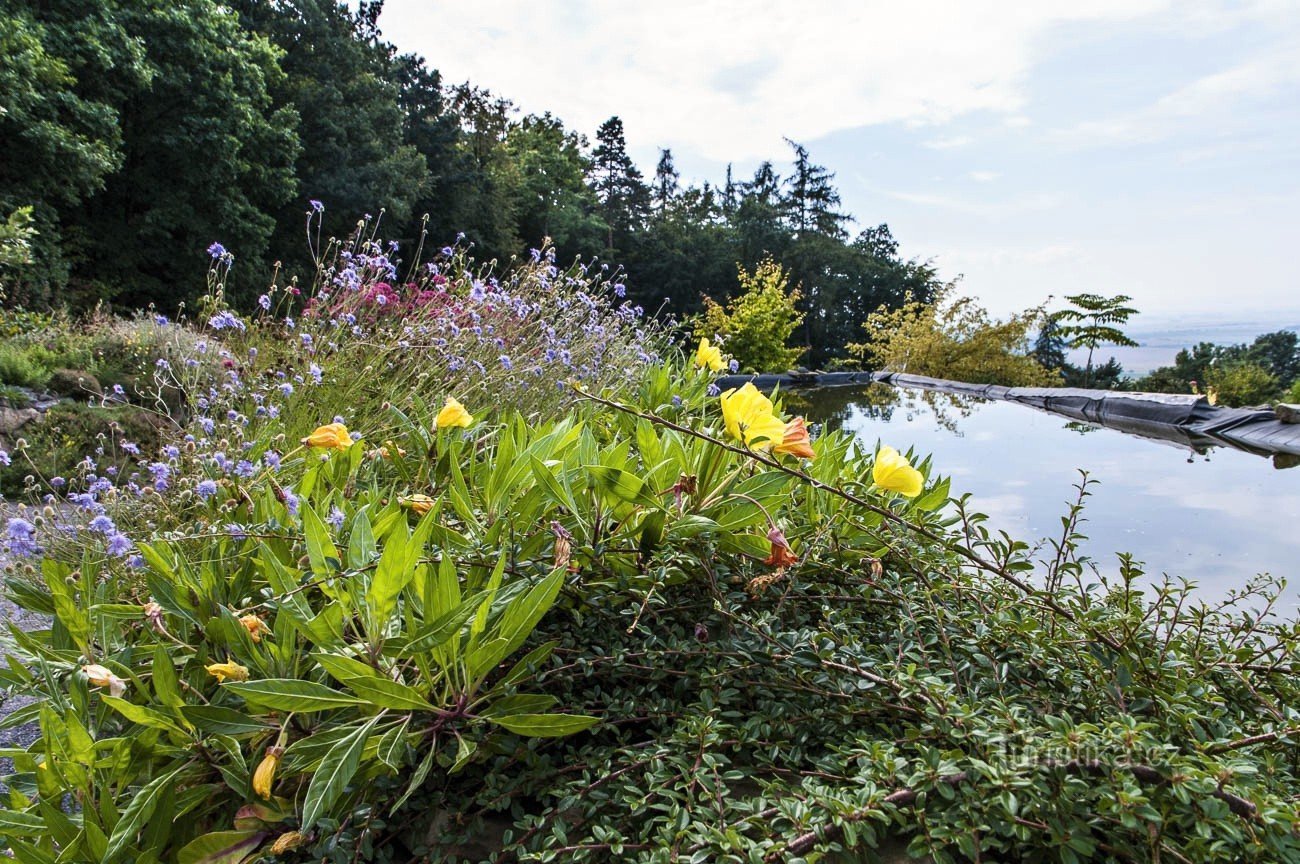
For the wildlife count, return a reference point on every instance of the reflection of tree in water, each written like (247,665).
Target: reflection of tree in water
(832,406)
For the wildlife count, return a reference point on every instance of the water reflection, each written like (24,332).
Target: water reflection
(1214,515)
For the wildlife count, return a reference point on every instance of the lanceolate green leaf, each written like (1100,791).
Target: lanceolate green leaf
(290,694)
(137,814)
(389,694)
(321,552)
(545,725)
(336,771)
(221,847)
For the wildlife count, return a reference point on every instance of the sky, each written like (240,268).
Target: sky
(1033,147)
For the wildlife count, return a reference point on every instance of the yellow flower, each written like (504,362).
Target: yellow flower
(892,471)
(264,776)
(255,627)
(101,676)
(287,842)
(748,416)
(417,504)
(795,440)
(452,414)
(230,669)
(333,436)
(709,356)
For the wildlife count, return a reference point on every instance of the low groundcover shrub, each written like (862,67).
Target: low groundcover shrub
(623,618)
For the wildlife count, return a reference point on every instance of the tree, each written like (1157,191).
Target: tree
(553,200)
(755,327)
(812,202)
(624,197)
(954,337)
(1095,321)
(206,155)
(338,79)
(666,181)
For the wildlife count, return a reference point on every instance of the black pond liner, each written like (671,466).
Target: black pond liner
(1186,420)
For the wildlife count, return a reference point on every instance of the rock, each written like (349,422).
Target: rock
(13,419)
(1287,413)
(1282,461)
(74,383)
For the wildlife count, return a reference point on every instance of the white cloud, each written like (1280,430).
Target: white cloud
(728,79)
(950,143)
(984,176)
(983,207)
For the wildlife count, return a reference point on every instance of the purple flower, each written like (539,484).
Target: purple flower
(225,319)
(161,320)
(264,301)
(733,365)
(245,469)
(291,502)
(5,461)
(103,525)
(505,362)
(476,292)
(21,538)
(315,372)
(206,489)
(271,459)
(316,205)
(620,290)
(286,389)
(119,545)
(216,250)
(335,519)
(381,299)
(135,562)
(446,251)
(162,364)
(129,447)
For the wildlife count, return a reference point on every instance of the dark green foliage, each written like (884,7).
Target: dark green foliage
(146,131)
(1238,374)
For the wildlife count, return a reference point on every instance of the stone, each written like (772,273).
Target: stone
(74,383)
(1287,413)
(13,419)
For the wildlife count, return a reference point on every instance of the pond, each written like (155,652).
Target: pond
(1217,517)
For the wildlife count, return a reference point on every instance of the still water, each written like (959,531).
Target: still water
(1217,518)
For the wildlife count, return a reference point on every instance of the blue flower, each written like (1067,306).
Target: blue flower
(335,519)
(316,205)
(620,290)
(21,538)
(119,545)
(102,525)
(264,301)
(244,468)
(291,502)
(216,250)
(5,461)
(505,362)
(446,251)
(225,319)
(206,489)
(160,320)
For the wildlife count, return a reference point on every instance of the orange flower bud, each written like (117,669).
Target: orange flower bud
(796,441)
(264,776)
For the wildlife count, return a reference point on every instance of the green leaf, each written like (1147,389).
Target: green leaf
(217,720)
(137,813)
(335,772)
(361,540)
(342,669)
(388,694)
(142,715)
(17,824)
(321,552)
(517,622)
(391,574)
(545,725)
(165,684)
(290,694)
(440,631)
(221,847)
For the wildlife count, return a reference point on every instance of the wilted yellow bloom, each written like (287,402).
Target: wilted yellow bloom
(748,416)
(264,776)
(795,440)
(452,414)
(230,669)
(417,504)
(287,842)
(255,627)
(333,436)
(101,676)
(892,471)
(709,356)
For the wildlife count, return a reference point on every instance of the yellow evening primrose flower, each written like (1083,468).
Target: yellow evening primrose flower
(709,356)
(101,676)
(417,504)
(748,416)
(230,669)
(264,776)
(255,627)
(452,414)
(892,471)
(333,436)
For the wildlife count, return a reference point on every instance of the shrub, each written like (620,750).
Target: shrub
(954,338)
(1241,384)
(756,326)
(17,368)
